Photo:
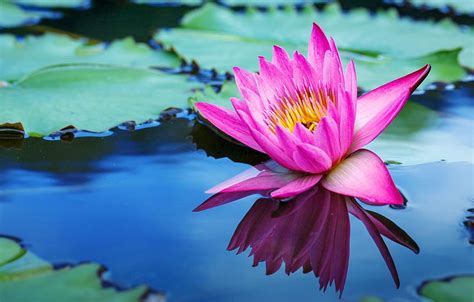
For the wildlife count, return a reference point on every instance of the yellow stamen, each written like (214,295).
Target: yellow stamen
(307,108)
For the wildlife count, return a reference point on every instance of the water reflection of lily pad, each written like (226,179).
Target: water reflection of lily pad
(416,136)
(21,57)
(25,277)
(90,97)
(457,289)
(382,45)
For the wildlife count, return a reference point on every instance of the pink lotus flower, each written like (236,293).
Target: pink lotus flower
(305,115)
(311,231)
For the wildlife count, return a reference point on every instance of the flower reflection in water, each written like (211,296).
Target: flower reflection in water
(310,230)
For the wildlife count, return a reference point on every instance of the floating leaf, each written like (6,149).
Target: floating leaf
(460,6)
(21,57)
(90,97)
(208,95)
(416,136)
(457,289)
(29,278)
(264,3)
(12,15)
(383,47)
(169,2)
(9,250)
(371,299)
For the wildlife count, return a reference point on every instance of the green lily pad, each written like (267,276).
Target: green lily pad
(415,136)
(371,299)
(90,97)
(169,2)
(12,15)
(29,278)
(21,57)
(216,37)
(457,289)
(460,6)
(209,95)
(54,3)
(9,250)
(264,3)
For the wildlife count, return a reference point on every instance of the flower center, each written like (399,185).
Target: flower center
(308,107)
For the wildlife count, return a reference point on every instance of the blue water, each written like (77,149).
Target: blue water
(126,201)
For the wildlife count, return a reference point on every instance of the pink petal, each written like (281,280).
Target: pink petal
(377,108)
(228,122)
(350,80)
(286,139)
(245,175)
(347,110)
(297,186)
(254,118)
(282,60)
(245,80)
(312,159)
(253,98)
(262,182)
(268,144)
(260,177)
(238,104)
(304,74)
(335,51)
(332,70)
(278,83)
(303,134)
(317,47)
(326,137)
(224,198)
(365,176)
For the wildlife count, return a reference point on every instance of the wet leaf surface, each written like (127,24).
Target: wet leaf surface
(270,3)
(169,2)
(33,52)
(90,97)
(383,47)
(455,289)
(12,15)
(29,278)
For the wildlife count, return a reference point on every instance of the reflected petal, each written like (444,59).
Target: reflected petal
(312,231)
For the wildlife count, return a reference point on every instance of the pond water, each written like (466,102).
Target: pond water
(126,201)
